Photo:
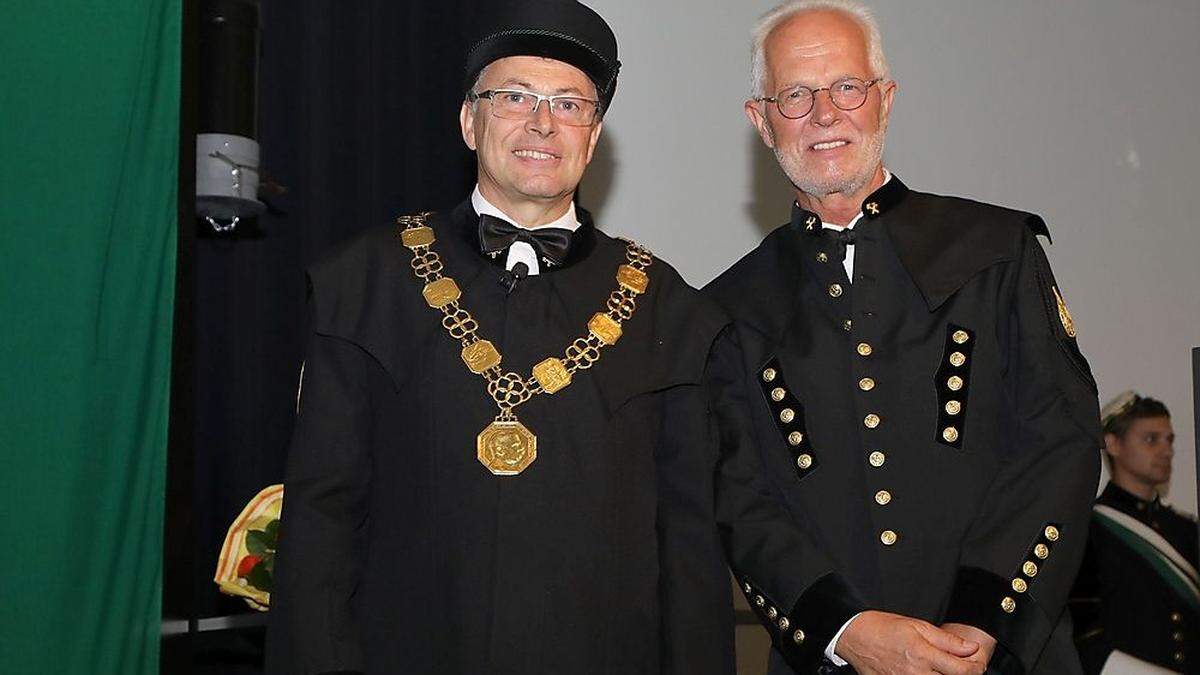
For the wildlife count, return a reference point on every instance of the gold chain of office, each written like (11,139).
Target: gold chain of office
(506,447)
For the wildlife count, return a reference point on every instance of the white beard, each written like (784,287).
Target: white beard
(870,155)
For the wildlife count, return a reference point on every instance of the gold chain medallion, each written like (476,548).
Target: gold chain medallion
(507,447)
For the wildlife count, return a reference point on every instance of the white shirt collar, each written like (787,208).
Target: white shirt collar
(568,220)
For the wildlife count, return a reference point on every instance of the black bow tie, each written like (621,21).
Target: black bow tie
(841,239)
(497,234)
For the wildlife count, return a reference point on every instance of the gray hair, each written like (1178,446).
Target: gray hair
(856,11)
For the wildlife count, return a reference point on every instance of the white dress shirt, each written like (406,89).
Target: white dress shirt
(521,251)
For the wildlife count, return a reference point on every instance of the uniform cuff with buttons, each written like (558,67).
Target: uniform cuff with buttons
(802,635)
(992,604)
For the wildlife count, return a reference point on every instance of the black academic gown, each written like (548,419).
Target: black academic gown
(400,553)
(1122,602)
(922,494)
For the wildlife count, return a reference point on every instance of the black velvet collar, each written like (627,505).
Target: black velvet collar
(875,205)
(1127,502)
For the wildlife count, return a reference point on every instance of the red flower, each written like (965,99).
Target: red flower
(247,564)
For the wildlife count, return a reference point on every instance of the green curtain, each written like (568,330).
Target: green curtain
(89,110)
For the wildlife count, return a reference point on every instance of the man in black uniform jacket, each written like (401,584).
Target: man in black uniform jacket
(504,459)
(922,406)
(1136,603)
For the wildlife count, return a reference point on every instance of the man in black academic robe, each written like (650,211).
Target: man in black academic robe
(400,550)
(1136,602)
(919,398)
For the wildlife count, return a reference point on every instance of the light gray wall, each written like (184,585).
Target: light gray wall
(1085,111)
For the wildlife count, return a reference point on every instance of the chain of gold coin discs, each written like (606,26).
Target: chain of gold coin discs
(506,447)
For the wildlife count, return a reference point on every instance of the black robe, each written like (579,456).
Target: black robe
(400,553)
(1120,602)
(922,495)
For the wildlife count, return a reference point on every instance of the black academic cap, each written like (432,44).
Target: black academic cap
(564,30)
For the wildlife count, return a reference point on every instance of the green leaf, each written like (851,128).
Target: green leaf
(260,578)
(272,531)
(257,542)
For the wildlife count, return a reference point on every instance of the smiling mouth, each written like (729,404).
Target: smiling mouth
(828,145)
(536,155)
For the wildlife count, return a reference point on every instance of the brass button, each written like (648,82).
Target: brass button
(798,637)
(1029,569)
(1041,551)
(804,461)
(871,421)
(847,324)
(954,383)
(1008,605)
(746,587)
(787,415)
(1176,617)
(864,349)
(876,459)
(953,407)
(1052,533)
(866,384)
(784,623)
(777,394)
(960,336)
(1177,636)
(759,600)
(822,258)
(888,537)
(772,613)
(795,438)
(957,359)
(769,375)
(1019,585)
(835,290)
(883,497)
(950,434)
(1178,657)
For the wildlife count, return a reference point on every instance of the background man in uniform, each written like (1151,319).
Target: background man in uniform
(446,511)
(1136,603)
(920,401)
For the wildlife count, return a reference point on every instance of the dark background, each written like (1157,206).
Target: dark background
(357,122)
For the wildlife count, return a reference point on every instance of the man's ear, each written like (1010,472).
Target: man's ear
(757,116)
(1112,445)
(466,120)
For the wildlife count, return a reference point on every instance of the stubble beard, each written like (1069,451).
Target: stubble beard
(819,184)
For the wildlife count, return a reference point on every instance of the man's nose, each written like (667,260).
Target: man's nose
(541,121)
(824,112)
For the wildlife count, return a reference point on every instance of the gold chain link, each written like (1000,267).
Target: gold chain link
(509,389)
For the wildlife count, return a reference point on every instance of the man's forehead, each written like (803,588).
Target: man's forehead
(538,71)
(818,40)
(1151,424)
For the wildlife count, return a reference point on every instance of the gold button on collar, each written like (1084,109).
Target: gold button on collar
(866,384)
(864,349)
(876,459)
(777,394)
(953,407)
(804,461)
(954,383)
(888,537)
(960,337)
(950,434)
(957,359)
(871,421)
(883,497)
(768,375)
(873,208)
(835,290)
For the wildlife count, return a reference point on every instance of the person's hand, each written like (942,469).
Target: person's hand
(879,643)
(987,643)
